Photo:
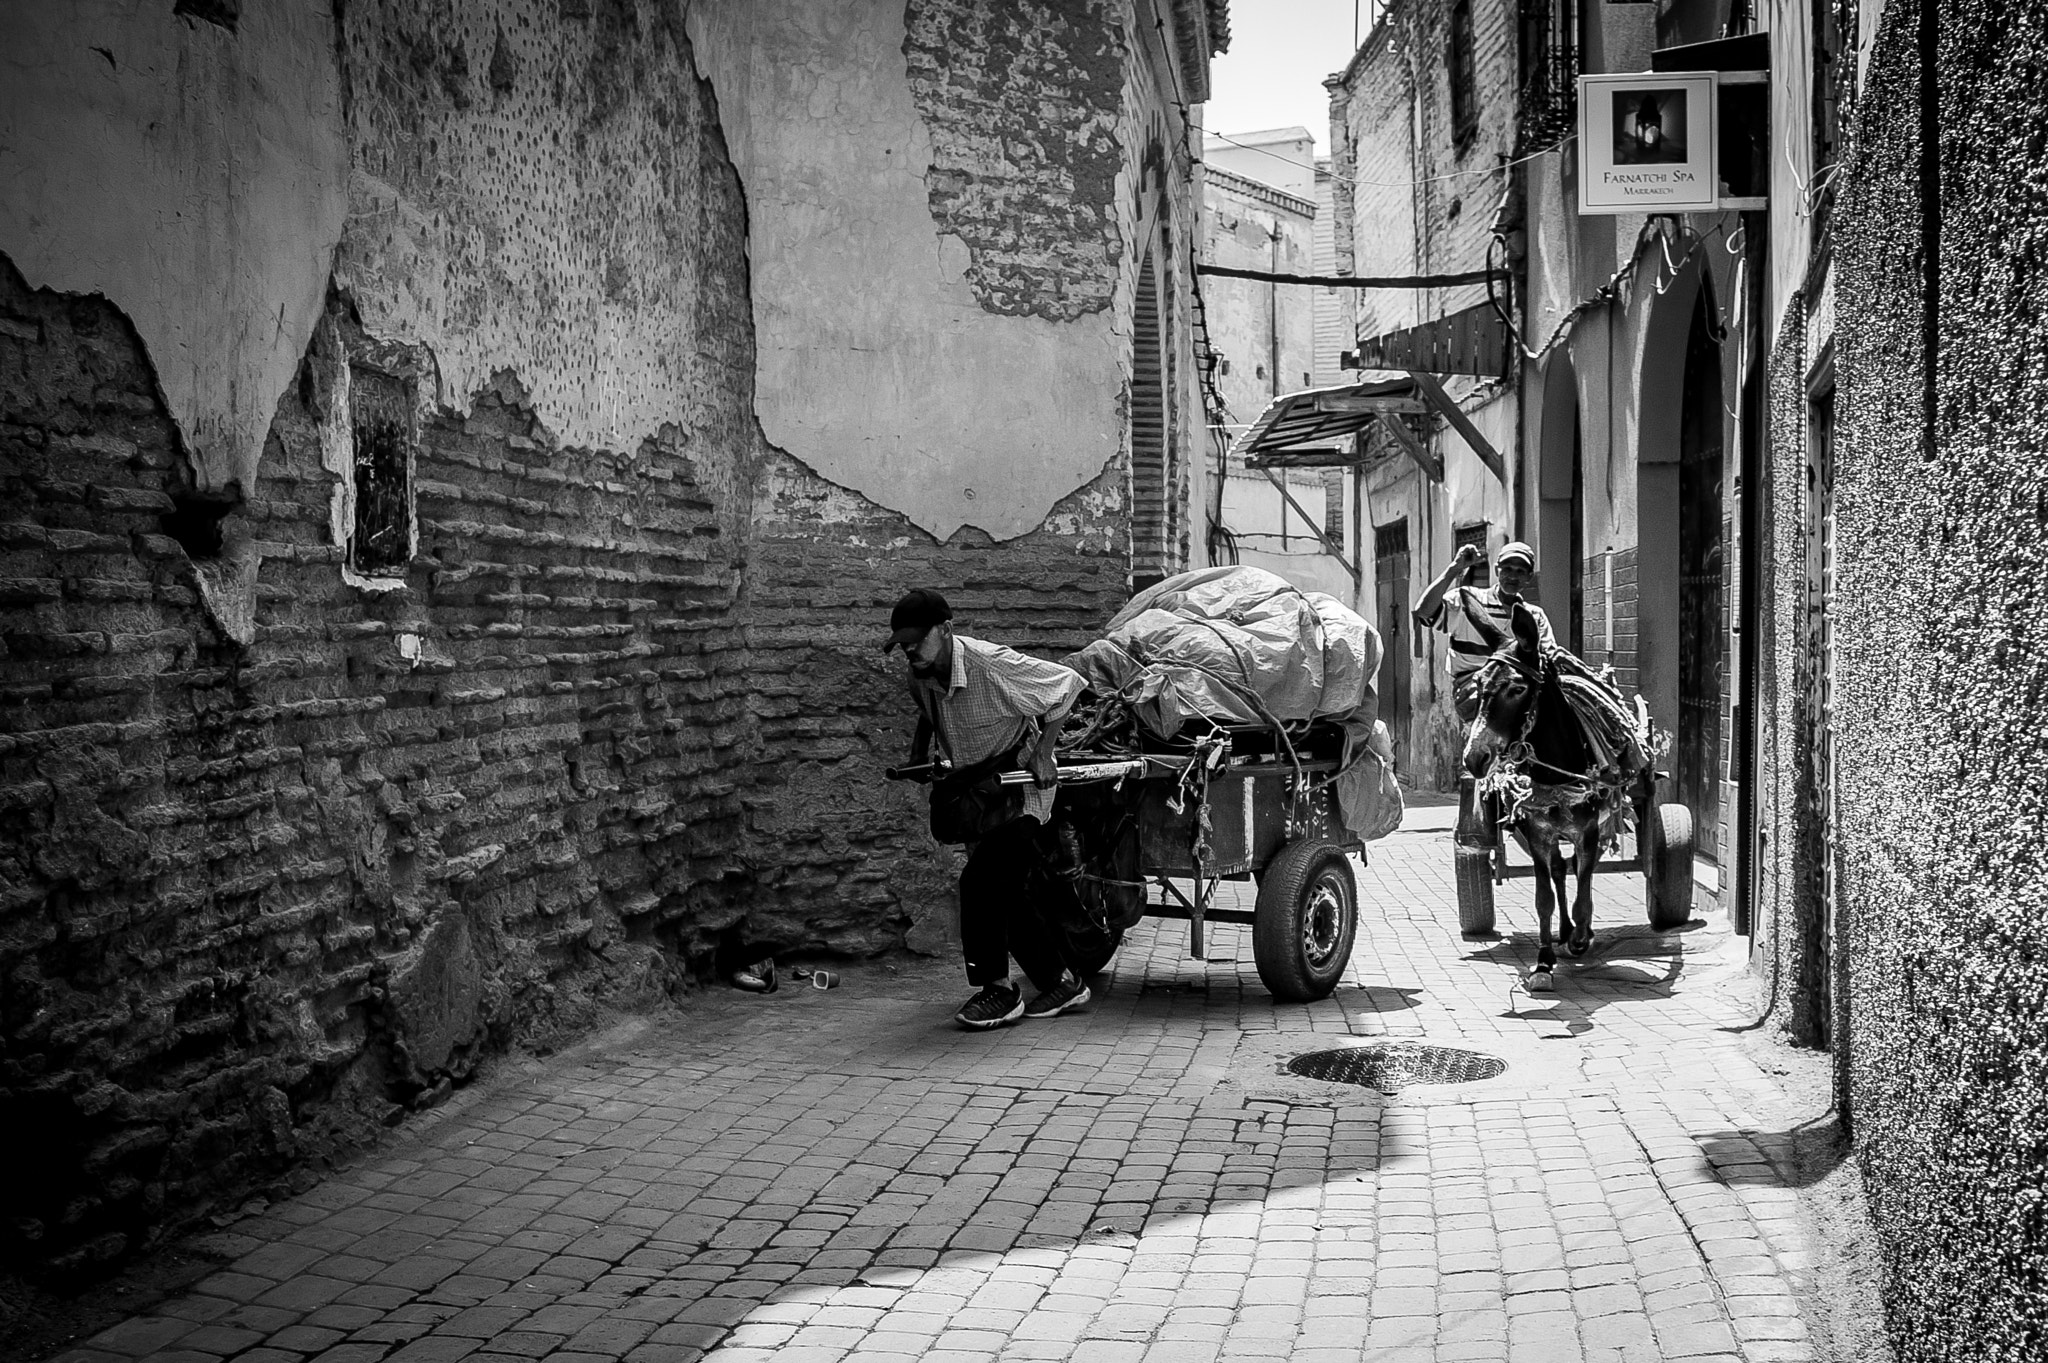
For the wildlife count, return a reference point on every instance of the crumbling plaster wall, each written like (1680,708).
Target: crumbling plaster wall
(896,357)
(517,190)
(274,877)
(990,83)
(263,887)
(192,175)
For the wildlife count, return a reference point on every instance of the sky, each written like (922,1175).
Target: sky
(1280,50)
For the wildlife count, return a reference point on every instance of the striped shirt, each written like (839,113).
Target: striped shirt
(992,700)
(1477,622)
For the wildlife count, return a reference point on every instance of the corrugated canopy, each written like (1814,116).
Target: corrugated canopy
(1325,419)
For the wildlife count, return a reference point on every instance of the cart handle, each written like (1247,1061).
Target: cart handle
(923,771)
(1082,772)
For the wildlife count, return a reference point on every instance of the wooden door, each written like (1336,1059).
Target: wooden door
(1390,588)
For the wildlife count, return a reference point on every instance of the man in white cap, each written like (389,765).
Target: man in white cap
(1478,620)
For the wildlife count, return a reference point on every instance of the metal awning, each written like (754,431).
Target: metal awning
(1319,427)
(1322,421)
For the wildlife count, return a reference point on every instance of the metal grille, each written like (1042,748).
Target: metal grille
(1550,72)
(1397,1065)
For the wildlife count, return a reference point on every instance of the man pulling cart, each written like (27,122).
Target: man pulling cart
(1224,729)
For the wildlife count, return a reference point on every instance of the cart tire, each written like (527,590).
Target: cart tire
(1305,920)
(1475,891)
(1667,866)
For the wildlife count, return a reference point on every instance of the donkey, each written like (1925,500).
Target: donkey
(1528,747)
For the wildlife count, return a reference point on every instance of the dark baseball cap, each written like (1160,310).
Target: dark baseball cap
(918,611)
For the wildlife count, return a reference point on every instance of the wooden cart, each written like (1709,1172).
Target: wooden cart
(1247,809)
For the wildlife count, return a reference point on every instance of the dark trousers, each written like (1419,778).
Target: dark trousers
(1012,905)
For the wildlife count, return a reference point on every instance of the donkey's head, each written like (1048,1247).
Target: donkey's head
(1509,684)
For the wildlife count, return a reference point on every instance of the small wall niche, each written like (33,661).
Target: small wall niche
(384,430)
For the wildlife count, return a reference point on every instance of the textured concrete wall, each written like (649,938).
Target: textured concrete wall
(1790,922)
(1941,671)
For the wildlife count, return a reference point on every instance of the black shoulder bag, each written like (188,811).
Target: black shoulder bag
(972,802)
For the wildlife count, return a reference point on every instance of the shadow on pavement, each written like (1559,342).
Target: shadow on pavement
(1797,1157)
(1624,964)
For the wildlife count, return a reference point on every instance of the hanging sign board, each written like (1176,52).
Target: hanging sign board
(1646,143)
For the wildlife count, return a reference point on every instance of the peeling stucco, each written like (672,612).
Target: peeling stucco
(877,363)
(1021,99)
(192,174)
(481,131)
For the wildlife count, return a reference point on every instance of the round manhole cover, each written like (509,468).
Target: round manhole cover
(1396,1065)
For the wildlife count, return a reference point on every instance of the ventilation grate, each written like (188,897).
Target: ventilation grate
(1396,1065)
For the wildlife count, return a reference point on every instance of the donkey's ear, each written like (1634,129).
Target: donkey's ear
(1526,633)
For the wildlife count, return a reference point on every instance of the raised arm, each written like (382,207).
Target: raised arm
(1431,601)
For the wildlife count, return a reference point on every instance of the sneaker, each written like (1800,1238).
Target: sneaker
(1068,994)
(994,1006)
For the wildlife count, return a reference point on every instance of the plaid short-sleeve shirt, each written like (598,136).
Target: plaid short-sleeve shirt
(992,699)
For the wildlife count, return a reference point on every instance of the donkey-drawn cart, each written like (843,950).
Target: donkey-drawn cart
(1660,850)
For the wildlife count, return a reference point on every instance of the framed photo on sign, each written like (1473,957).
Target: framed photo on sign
(1646,143)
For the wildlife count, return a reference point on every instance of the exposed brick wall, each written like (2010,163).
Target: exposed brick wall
(1622,656)
(1022,103)
(841,855)
(1394,125)
(259,899)
(259,896)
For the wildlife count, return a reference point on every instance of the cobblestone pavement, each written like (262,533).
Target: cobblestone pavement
(844,1175)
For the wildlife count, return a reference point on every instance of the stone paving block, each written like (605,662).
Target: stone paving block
(142,1336)
(1085,1187)
(1694,1339)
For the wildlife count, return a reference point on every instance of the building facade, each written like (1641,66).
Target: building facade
(1259,216)
(457,457)
(1789,449)
(1422,121)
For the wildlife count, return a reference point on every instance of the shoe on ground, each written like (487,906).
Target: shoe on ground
(1070,993)
(758,978)
(995,1005)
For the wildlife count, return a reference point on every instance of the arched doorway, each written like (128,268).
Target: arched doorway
(1697,759)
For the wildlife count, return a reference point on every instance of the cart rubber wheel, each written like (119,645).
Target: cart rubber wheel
(1667,867)
(1305,920)
(1475,891)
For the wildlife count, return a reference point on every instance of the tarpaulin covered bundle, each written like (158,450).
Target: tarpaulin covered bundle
(1242,646)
